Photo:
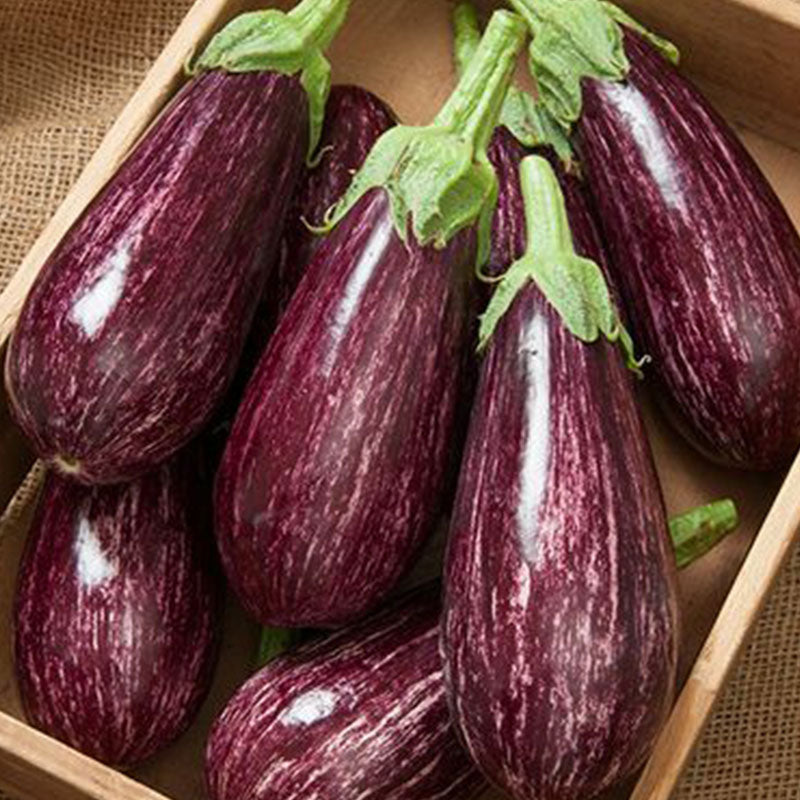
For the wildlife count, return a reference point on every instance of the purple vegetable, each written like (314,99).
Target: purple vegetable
(118,612)
(705,256)
(334,472)
(354,119)
(134,328)
(560,625)
(361,714)
(337,466)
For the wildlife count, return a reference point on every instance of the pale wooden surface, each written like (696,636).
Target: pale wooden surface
(401,50)
(744,54)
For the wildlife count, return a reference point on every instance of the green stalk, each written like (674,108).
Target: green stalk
(288,43)
(527,120)
(699,530)
(274,642)
(573,285)
(466,35)
(438,177)
(472,110)
(319,21)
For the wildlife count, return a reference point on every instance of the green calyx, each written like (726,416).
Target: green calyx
(528,121)
(285,42)
(664,46)
(438,177)
(701,529)
(577,39)
(573,285)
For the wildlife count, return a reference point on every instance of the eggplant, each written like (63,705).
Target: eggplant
(560,622)
(133,330)
(361,714)
(337,465)
(705,256)
(117,612)
(354,120)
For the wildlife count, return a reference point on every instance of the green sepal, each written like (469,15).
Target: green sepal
(532,125)
(664,46)
(288,43)
(438,177)
(573,40)
(573,285)
(527,120)
(437,184)
(696,532)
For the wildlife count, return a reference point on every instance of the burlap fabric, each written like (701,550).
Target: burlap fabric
(66,68)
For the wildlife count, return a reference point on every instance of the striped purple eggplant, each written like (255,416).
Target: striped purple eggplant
(334,471)
(354,120)
(118,612)
(704,254)
(706,257)
(360,715)
(560,626)
(337,466)
(134,328)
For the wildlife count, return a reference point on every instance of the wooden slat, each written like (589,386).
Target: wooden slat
(735,623)
(34,766)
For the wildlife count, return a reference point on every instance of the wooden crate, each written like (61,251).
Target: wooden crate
(743,53)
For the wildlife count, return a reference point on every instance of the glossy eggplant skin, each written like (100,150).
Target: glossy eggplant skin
(354,120)
(508,226)
(705,256)
(337,466)
(134,328)
(560,626)
(361,714)
(118,612)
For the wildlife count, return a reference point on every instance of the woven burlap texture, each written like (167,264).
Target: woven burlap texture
(66,68)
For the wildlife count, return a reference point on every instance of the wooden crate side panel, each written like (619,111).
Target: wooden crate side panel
(34,766)
(743,53)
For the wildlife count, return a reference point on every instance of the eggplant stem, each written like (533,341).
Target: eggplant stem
(474,107)
(701,529)
(319,20)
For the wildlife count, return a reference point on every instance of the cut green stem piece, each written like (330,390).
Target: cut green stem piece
(574,286)
(577,39)
(276,641)
(438,177)
(701,529)
(289,43)
(528,121)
